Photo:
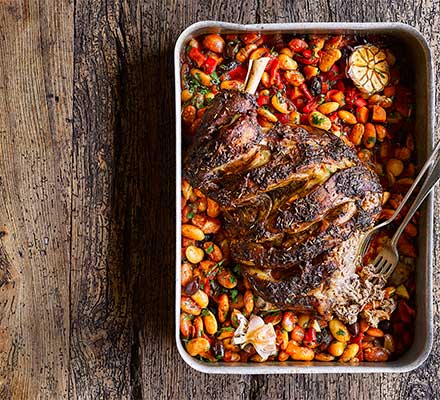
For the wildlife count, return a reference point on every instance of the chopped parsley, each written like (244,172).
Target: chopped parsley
(205,312)
(215,80)
(234,294)
(317,119)
(190,214)
(210,249)
(340,332)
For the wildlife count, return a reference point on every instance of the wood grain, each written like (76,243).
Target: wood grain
(36,47)
(87,257)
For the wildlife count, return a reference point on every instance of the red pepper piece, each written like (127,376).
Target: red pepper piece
(299,102)
(307,61)
(304,119)
(197,56)
(310,106)
(283,118)
(263,100)
(306,92)
(238,73)
(324,87)
(209,65)
(307,53)
(340,86)
(360,102)
(310,335)
(358,339)
(273,71)
(298,45)
(330,93)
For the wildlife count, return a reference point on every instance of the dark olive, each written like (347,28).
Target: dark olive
(218,349)
(231,49)
(354,328)
(385,325)
(192,287)
(315,86)
(324,338)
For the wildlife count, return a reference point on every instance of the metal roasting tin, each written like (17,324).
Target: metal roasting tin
(419,52)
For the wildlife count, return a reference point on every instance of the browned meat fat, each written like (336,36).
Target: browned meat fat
(291,198)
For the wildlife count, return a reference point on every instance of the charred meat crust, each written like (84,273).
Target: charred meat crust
(290,197)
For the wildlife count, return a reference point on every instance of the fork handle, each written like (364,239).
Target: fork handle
(435,153)
(431,180)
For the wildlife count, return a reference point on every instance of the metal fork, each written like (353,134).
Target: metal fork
(388,258)
(369,234)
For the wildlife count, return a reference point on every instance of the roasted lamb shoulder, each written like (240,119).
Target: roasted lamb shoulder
(292,198)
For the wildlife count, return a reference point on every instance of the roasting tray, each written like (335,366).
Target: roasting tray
(418,50)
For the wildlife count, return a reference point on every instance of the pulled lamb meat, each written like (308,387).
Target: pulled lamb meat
(295,201)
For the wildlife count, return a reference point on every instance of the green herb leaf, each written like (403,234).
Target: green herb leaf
(210,249)
(215,80)
(340,332)
(234,294)
(190,214)
(204,312)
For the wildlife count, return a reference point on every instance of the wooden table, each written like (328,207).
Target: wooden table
(87,201)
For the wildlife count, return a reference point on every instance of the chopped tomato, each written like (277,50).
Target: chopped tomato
(263,100)
(209,65)
(238,73)
(197,56)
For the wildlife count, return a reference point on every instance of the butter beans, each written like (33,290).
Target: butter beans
(197,346)
(329,107)
(339,330)
(350,352)
(186,273)
(376,354)
(209,322)
(248,299)
(297,333)
(287,62)
(394,166)
(201,298)
(375,332)
(295,78)
(192,232)
(336,348)
(226,278)
(356,134)
(231,85)
(203,78)
(328,58)
(213,209)
(280,104)
(194,254)
(369,138)
(299,353)
(319,120)
(186,326)
(223,307)
(267,114)
(258,53)
(186,95)
(189,306)
(189,114)
(347,117)
(244,52)
(324,357)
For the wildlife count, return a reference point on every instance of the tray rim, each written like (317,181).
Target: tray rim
(293,367)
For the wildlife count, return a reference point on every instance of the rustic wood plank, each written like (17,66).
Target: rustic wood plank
(36,43)
(158,382)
